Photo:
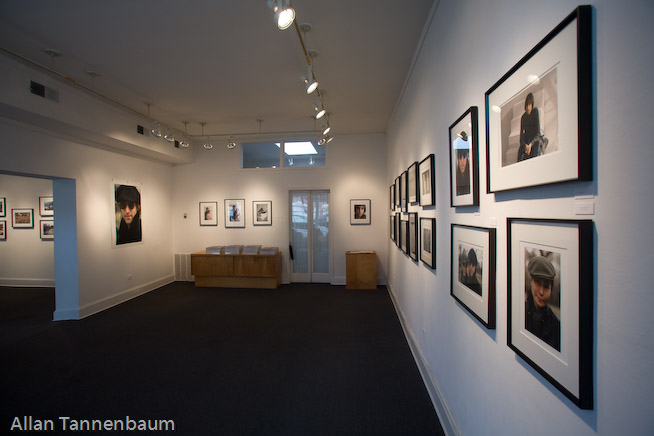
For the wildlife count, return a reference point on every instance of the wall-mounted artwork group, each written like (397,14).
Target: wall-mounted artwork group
(23,218)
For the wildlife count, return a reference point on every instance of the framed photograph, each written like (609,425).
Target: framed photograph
(472,282)
(404,235)
(550,301)
(539,116)
(412,187)
(413,236)
(464,166)
(208,213)
(46,230)
(392,198)
(46,206)
(404,182)
(426,176)
(392,227)
(397,192)
(127,213)
(234,217)
(3,230)
(397,229)
(22,218)
(3,207)
(262,213)
(359,212)
(428,241)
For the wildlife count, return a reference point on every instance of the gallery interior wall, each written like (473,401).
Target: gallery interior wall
(480,385)
(28,260)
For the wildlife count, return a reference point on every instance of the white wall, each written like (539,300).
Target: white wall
(484,387)
(27,260)
(355,169)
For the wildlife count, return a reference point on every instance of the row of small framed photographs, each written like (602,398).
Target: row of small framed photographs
(234,213)
(23,218)
(539,125)
(549,289)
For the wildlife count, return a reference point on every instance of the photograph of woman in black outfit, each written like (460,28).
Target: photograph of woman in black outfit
(529,131)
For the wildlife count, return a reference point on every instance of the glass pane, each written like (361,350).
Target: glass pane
(261,155)
(320,232)
(303,154)
(300,229)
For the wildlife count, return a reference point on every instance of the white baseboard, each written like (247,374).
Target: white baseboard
(444,415)
(121,297)
(28,283)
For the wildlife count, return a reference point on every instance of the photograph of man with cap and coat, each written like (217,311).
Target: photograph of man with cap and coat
(539,317)
(128,203)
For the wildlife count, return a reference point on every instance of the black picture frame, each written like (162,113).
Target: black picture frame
(3,230)
(428,241)
(412,188)
(558,147)
(427,181)
(391,199)
(554,255)
(3,207)
(392,227)
(46,206)
(262,213)
(46,229)
(472,280)
(464,150)
(208,213)
(396,220)
(404,235)
(413,235)
(235,213)
(22,218)
(397,193)
(404,190)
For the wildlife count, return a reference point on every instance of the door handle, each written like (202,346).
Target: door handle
(290,250)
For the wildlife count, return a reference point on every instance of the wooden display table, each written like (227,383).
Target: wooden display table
(237,270)
(360,270)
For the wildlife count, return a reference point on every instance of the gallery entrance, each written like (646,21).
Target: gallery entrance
(309,236)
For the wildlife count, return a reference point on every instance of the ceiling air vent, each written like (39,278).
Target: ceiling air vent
(44,91)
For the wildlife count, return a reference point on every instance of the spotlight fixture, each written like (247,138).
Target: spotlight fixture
(319,109)
(326,128)
(207,145)
(184,143)
(231,144)
(310,83)
(284,13)
(156,129)
(168,136)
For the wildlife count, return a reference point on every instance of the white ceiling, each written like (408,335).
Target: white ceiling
(224,62)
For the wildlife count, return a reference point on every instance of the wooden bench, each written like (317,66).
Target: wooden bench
(237,270)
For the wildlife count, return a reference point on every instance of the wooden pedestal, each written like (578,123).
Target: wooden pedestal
(360,270)
(237,270)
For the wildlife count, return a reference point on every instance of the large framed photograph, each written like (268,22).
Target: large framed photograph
(413,235)
(428,241)
(412,188)
(46,206)
(539,115)
(427,178)
(359,212)
(234,217)
(3,207)
(22,218)
(262,213)
(464,162)
(473,271)
(3,230)
(404,235)
(46,230)
(208,213)
(127,213)
(550,301)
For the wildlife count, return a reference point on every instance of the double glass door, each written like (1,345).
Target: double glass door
(310,236)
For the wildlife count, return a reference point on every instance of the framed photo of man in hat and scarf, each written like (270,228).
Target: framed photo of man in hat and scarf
(550,301)
(127,213)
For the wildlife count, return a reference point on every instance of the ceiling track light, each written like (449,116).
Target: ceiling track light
(284,13)
(207,145)
(319,109)
(310,82)
(184,143)
(231,144)
(168,136)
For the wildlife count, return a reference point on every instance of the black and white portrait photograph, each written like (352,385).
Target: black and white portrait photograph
(473,271)
(262,213)
(427,179)
(464,171)
(550,300)
(428,241)
(360,211)
(127,214)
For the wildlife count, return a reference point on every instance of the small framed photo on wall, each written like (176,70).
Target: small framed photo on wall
(22,218)
(404,235)
(234,217)
(46,206)
(413,183)
(426,176)
(3,230)
(550,301)
(404,189)
(428,242)
(464,167)
(413,235)
(208,213)
(3,207)
(473,271)
(46,230)
(359,212)
(392,198)
(262,213)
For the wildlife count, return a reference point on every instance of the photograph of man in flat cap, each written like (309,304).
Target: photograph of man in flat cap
(540,319)
(128,204)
